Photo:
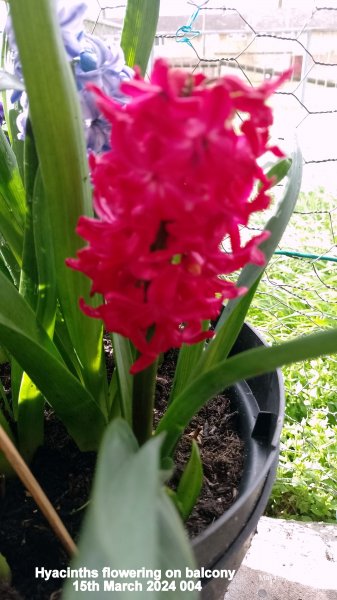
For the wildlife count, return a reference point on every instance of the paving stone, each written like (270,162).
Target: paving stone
(288,560)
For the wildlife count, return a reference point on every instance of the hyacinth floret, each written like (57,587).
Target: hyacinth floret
(92,61)
(177,180)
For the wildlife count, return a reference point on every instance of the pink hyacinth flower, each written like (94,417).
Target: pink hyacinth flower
(178,180)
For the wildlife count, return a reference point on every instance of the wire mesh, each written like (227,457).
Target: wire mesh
(298,292)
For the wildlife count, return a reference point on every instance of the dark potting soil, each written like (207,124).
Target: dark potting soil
(215,428)
(65,474)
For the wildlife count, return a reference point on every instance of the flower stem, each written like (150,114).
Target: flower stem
(143,401)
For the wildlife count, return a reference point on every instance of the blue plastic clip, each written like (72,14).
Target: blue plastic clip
(187,29)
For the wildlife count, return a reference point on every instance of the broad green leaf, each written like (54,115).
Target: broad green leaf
(11,186)
(58,131)
(144,385)
(65,347)
(235,311)
(198,358)
(3,267)
(28,283)
(22,335)
(279,170)
(4,358)
(10,82)
(10,230)
(5,403)
(30,425)
(28,402)
(174,551)
(139,29)
(12,200)
(9,264)
(241,366)
(31,401)
(124,356)
(114,401)
(30,162)
(44,255)
(190,484)
(17,144)
(276,226)
(188,358)
(5,572)
(131,523)
(220,347)
(3,54)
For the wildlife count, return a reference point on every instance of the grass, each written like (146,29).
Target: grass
(296,297)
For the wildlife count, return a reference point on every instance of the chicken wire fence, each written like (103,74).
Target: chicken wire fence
(298,293)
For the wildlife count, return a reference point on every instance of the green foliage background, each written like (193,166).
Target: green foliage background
(296,297)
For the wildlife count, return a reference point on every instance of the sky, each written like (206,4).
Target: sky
(185,7)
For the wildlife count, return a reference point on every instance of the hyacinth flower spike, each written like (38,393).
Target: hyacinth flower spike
(165,202)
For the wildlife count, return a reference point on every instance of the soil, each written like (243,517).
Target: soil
(66,476)
(215,428)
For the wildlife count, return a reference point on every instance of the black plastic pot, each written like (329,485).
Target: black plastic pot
(260,404)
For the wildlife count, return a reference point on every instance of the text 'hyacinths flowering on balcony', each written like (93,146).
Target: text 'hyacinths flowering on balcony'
(178,179)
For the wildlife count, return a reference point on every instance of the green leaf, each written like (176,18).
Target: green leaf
(250,363)
(12,199)
(44,256)
(3,54)
(188,358)
(9,263)
(4,358)
(190,483)
(5,403)
(28,402)
(5,572)
(17,144)
(43,278)
(139,29)
(11,186)
(131,523)
(124,356)
(10,82)
(114,401)
(144,385)
(198,358)
(3,267)
(29,344)
(65,347)
(220,347)
(279,170)
(30,425)
(276,226)
(10,230)
(58,130)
